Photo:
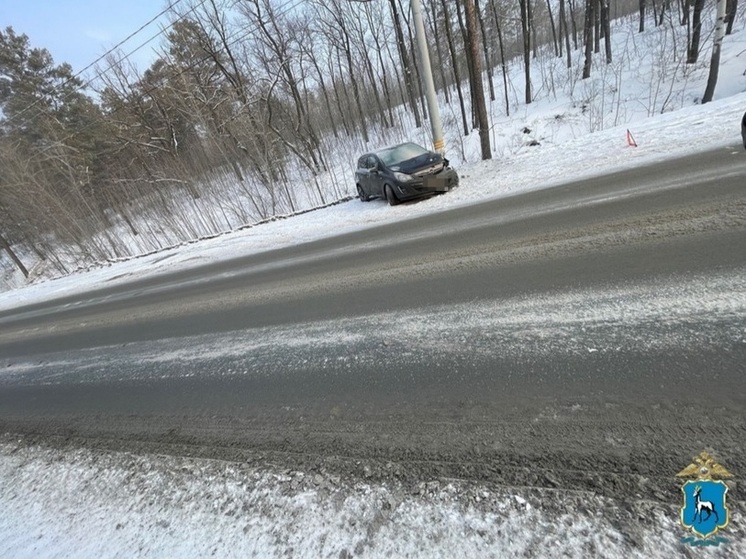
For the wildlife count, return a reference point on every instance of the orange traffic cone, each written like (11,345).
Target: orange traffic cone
(630,140)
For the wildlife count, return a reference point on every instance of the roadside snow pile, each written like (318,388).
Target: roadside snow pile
(82,503)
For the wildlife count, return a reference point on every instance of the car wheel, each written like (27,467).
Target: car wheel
(361,194)
(390,196)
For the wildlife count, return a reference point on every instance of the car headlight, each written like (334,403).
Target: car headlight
(403,177)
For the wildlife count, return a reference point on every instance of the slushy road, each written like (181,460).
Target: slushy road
(588,336)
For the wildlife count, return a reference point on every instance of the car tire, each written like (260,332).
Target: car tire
(390,196)
(361,194)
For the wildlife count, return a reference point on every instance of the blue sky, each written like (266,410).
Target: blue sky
(79,31)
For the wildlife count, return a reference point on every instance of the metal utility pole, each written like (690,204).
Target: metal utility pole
(427,75)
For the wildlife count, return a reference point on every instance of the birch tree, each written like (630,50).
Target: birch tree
(716,47)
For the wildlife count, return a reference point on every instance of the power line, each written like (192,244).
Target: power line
(129,54)
(107,53)
(229,43)
(120,43)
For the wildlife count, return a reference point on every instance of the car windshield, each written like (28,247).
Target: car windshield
(402,152)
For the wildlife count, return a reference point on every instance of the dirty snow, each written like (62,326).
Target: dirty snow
(84,504)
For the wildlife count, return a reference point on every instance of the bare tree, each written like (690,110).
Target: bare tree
(566,32)
(642,5)
(476,84)
(525,33)
(606,28)
(716,48)
(17,261)
(281,40)
(503,67)
(485,49)
(432,21)
(454,65)
(693,51)
(554,30)
(404,57)
(731,10)
(590,6)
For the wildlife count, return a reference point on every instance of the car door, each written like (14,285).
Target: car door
(376,178)
(362,174)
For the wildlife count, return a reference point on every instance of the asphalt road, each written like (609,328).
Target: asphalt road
(589,336)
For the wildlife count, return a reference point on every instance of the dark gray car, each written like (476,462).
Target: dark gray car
(403,172)
(743,129)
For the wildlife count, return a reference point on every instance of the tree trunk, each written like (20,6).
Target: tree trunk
(571,4)
(363,51)
(335,90)
(454,64)
(597,26)
(415,62)
(504,70)
(4,244)
(730,8)
(588,37)
(469,64)
(471,28)
(526,48)
(563,25)
(606,27)
(557,51)
(407,69)
(685,8)
(325,93)
(487,62)
(532,28)
(439,52)
(502,57)
(664,7)
(696,32)
(642,5)
(712,80)
(355,89)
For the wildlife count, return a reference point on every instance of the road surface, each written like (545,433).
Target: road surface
(589,337)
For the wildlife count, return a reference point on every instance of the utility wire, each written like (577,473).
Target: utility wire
(231,42)
(103,56)
(128,55)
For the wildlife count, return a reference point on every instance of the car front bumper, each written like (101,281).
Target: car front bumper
(444,181)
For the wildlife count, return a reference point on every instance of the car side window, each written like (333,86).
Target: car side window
(362,163)
(372,162)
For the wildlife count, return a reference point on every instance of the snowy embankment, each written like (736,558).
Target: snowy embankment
(677,134)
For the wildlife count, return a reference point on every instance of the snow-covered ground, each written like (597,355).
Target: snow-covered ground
(62,503)
(84,504)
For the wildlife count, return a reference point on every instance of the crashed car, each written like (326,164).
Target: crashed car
(403,172)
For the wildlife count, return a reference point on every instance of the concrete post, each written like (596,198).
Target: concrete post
(427,75)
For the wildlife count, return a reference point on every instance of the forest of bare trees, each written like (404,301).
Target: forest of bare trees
(249,96)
